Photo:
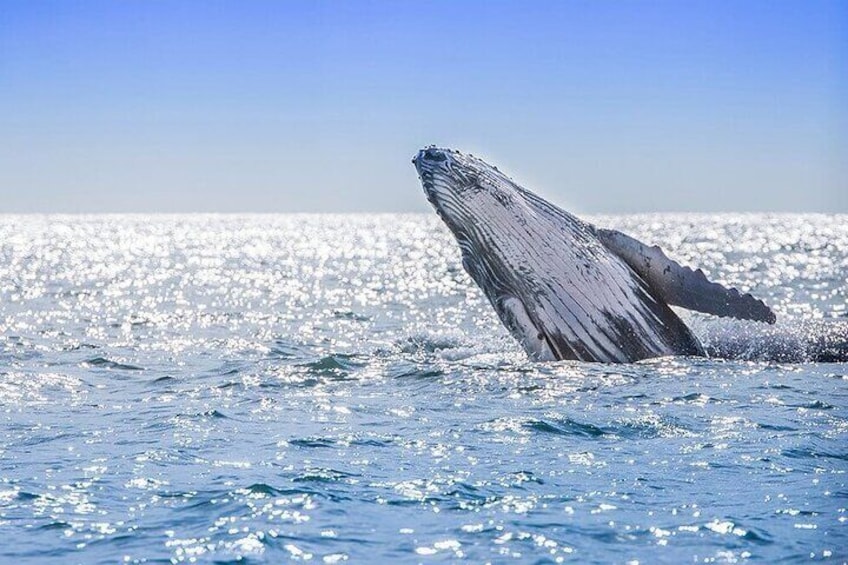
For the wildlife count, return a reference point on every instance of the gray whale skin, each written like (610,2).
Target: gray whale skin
(564,288)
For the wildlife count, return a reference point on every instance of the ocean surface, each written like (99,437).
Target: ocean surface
(331,388)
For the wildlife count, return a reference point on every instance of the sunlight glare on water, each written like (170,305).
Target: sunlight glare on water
(334,388)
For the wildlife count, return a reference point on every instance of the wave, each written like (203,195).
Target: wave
(788,341)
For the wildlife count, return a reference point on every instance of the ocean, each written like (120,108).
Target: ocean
(334,388)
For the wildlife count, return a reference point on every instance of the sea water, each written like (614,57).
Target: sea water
(332,388)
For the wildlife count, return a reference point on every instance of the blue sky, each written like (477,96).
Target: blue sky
(319,106)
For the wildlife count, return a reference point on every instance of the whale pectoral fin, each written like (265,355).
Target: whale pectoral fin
(682,286)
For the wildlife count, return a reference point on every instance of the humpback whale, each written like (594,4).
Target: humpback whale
(564,288)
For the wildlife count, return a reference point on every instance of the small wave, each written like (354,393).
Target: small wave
(238,385)
(413,370)
(56,525)
(740,529)
(695,398)
(80,346)
(371,442)
(350,315)
(104,363)
(640,428)
(429,343)
(263,489)
(467,495)
(777,428)
(566,427)
(323,475)
(283,349)
(650,427)
(814,405)
(162,380)
(214,414)
(335,365)
(813,453)
(789,341)
(313,442)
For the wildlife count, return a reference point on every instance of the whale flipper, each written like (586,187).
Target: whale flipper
(682,286)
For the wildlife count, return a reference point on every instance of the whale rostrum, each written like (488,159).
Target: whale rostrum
(564,288)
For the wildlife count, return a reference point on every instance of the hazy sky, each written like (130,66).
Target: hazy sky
(319,106)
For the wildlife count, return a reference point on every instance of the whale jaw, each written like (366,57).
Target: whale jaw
(556,282)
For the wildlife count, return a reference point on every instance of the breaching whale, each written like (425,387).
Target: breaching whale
(564,288)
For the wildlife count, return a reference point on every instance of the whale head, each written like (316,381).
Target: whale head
(497,225)
(474,199)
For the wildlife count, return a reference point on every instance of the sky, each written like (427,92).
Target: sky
(313,106)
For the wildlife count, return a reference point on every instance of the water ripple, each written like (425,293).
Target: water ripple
(335,388)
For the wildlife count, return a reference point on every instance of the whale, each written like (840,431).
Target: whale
(564,288)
